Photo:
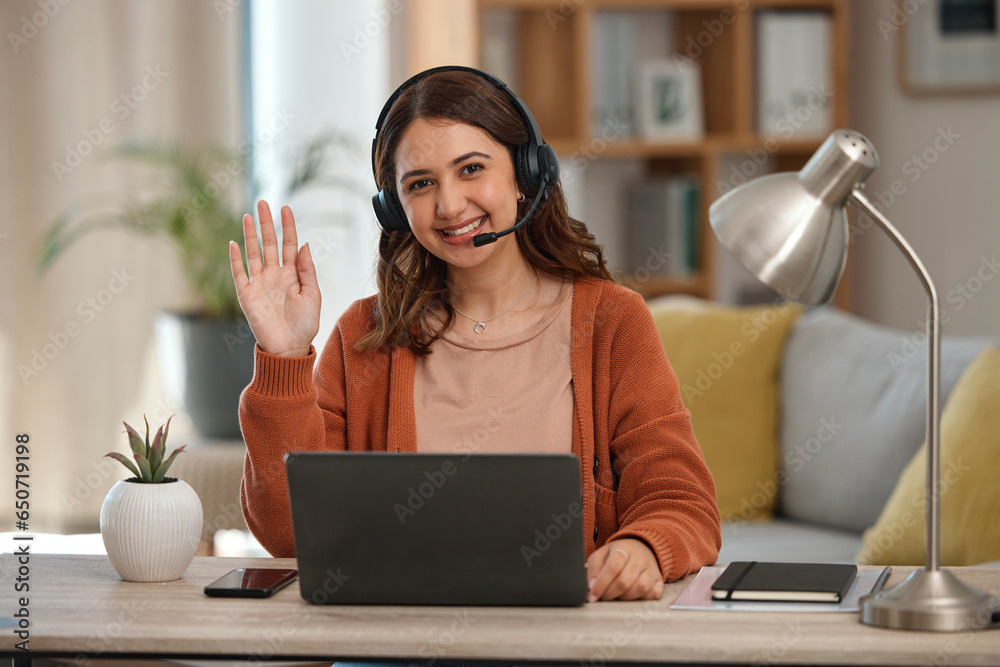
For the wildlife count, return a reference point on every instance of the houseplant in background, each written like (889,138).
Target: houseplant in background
(150,523)
(196,199)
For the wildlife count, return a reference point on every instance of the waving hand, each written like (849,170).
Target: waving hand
(281,300)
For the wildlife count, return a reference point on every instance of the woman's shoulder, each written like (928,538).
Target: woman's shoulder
(598,293)
(359,318)
(612,314)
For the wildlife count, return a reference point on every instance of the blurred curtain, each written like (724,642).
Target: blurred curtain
(76,345)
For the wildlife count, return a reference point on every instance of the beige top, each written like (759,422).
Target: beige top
(511,394)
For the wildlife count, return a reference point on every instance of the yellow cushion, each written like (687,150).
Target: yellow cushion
(970,495)
(727,359)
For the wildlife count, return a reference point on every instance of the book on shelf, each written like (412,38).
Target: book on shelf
(612,61)
(499,45)
(786,582)
(664,217)
(794,74)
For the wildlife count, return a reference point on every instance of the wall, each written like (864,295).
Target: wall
(947,212)
(77,341)
(324,66)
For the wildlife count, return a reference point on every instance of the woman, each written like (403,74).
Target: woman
(525,341)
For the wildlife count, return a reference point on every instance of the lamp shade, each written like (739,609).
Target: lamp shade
(790,230)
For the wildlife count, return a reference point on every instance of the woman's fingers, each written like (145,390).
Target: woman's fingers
(289,241)
(290,256)
(268,238)
(236,262)
(624,569)
(307,271)
(250,243)
(646,587)
(605,568)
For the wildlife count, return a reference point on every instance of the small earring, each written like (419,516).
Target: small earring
(520,196)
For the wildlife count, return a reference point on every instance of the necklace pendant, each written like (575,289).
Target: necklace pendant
(480,324)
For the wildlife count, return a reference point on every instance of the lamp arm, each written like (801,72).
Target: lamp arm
(933,380)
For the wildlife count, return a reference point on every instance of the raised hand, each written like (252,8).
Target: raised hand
(280,300)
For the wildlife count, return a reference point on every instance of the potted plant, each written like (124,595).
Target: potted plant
(206,352)
(150,523)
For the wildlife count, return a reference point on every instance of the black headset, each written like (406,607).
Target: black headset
(535,163)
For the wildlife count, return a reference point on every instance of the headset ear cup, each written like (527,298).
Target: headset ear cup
(399,215)
(529,177)
(548,164)
(521,171)
(381,214)
(533,163)
(389,212)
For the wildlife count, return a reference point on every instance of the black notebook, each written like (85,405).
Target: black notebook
(785,582)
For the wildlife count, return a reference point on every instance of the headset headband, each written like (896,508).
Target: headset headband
(534,133)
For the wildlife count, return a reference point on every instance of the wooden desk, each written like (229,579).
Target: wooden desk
(79,606)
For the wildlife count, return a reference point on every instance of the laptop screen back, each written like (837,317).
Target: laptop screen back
(394,528)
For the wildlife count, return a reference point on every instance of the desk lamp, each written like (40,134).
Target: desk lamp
(790,231)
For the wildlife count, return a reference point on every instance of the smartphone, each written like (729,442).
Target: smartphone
(251,582)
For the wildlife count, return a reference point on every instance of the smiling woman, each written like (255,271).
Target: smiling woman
(521,343)
(454,146)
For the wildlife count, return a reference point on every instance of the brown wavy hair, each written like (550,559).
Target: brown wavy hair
(411,280)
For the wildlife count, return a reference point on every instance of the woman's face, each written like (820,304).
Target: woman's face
(454,182)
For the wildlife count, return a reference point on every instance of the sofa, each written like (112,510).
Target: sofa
(812,422)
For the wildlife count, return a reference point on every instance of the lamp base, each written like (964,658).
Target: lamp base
(932,600)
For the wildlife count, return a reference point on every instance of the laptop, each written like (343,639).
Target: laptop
(438,529)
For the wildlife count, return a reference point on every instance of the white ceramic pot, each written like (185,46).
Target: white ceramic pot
(151,531)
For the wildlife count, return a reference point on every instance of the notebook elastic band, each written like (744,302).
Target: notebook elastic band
(743,574)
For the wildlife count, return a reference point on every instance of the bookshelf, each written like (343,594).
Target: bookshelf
(552,70)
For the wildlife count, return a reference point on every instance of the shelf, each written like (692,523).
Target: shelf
(831,5)
(550,62)
(628,148)
(567,6)
(659,285)
(715,146)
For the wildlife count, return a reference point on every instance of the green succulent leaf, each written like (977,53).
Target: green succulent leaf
(163,446)
(162,470)
(146,475)
(156,451)
(121,458)
(146,452)
(166,429)
(135,440)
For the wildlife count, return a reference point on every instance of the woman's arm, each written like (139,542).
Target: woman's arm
(665,494)
(281,410)
(285,409)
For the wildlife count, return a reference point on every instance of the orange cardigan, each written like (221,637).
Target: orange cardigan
(642,472)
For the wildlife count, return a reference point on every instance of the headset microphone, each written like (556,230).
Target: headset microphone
(491,237)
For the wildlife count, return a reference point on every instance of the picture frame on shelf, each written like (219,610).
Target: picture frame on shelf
(668,102)
(951,47)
